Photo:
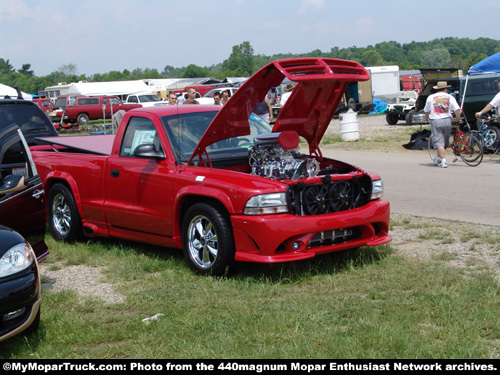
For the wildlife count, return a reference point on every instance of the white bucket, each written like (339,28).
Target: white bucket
(349,130)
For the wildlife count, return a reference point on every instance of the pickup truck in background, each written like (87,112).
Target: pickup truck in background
(144,100)
(80,108)
(219,183)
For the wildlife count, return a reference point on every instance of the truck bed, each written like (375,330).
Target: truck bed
(96,144)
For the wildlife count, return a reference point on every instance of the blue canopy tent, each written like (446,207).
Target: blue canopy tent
(490,64)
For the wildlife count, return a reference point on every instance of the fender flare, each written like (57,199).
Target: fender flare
(194,191)
(57,176)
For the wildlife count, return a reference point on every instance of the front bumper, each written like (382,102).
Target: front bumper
(19,292)
(286,238)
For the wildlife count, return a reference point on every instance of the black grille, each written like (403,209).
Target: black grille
(329,196)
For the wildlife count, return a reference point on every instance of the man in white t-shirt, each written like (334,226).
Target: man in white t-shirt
(495,103)
(438,108)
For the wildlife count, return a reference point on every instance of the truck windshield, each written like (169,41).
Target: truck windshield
(184,131)
(149,98)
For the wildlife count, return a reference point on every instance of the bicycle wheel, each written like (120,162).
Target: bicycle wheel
(470,148)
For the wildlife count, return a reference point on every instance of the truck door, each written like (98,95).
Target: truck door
(139,190)
(22,206)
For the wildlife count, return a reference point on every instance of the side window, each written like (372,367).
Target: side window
(132,99)
(139,131)
(13,157)
(484,87)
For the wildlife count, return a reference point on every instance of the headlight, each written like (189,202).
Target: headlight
(16,259)
(377,189)
(266,204)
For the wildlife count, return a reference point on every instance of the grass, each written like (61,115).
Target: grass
(367,303)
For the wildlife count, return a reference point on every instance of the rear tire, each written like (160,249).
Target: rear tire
(82,119)
(65,223)
(207,240)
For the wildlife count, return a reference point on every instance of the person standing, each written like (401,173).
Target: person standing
(172,99)
(495,103)
(191,99)
(217,98)
(264,110)
(286,95)
(225,97)
(438,108)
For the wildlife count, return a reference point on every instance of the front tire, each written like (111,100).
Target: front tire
(207,240)
(65,223)
(470,149)
(392,119)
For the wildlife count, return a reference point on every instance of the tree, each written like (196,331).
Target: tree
(436,58)
(193,71)
(241,59)
(371,58)
(68,69)
(5,66)
(167,70)
(26,70)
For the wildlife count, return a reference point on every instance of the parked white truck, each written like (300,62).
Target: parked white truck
(146,100)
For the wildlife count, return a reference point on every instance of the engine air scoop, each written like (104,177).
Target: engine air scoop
(288,139)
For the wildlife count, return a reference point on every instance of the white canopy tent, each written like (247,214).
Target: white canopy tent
(118,88)
(10,92)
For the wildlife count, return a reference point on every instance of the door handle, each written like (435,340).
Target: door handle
(38,193)
(115,173)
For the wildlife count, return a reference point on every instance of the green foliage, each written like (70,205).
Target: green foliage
(193,71)
(459,53)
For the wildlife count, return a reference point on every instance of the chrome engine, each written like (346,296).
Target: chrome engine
(274,158)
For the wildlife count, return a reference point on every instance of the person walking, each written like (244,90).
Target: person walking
(438,109)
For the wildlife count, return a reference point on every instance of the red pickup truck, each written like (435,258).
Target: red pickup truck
(80,109)
(219,183)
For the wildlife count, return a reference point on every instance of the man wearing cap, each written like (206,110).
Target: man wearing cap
(438,108)
(495,103)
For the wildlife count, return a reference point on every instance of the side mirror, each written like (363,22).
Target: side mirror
(148,151)
(12,183)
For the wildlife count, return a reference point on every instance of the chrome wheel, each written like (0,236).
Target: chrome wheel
(202,242)
(61,215)
(65,223)
(207,239)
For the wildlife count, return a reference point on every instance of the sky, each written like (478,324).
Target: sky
(100,36)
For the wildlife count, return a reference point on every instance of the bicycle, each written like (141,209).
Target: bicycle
(464,144)
(488,132)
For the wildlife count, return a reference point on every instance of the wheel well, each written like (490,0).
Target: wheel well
(54,181)
(193,199)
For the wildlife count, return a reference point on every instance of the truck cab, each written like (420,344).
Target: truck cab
(145,100)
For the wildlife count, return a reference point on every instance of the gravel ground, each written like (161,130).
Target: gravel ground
(473,248)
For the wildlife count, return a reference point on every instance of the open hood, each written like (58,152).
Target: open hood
(321,83)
